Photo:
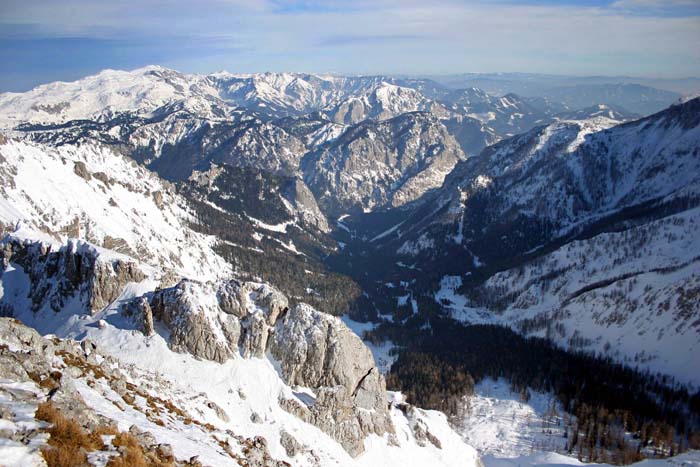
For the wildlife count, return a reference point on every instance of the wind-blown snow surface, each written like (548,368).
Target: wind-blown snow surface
(92,193)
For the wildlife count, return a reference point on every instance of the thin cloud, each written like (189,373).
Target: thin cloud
(351,39)
(383,36)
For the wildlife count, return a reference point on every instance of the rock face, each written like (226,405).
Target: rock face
(215,321)
(318,351)
(305,205)
(56,275)
(376,165)
(193,323)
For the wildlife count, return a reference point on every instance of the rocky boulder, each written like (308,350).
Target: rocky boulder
(197,325)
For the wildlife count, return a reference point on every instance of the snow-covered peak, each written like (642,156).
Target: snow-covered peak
(386,100)
(103,94)
(144,89)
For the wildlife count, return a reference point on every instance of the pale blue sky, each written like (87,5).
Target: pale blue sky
(43,41)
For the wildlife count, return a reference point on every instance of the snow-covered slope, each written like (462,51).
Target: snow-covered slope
(499,424)
(98,96)
(274,381)
(581,231)
(631,295)
(386,101)
(90,192)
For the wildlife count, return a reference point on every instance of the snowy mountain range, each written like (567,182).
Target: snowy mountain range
(541,228)
(197,233)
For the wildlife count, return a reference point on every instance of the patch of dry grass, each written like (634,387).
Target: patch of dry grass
(68,443)
(133,454)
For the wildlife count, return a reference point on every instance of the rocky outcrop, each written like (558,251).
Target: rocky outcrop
(318,351)
(305,205)
(291,446)
(57,274)
(375,165)
(215,321)
(81,170)
(196,325)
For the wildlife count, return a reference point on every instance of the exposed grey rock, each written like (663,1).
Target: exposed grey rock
(230,299)
(254,336)
(300,196)
(241,312)
(418,426)
(318,351)
(75,268)
(144,437)
(424,436)
(256,418)
(81,170)
(257,454)
(181,309)
(376,165)
(291,446)
(147,316)
(169,279)
(103,177)
(108,279)
(158,199)
(221,413)
(270,300)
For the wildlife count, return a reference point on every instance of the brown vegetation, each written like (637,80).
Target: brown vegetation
(68,443)
(132,454)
